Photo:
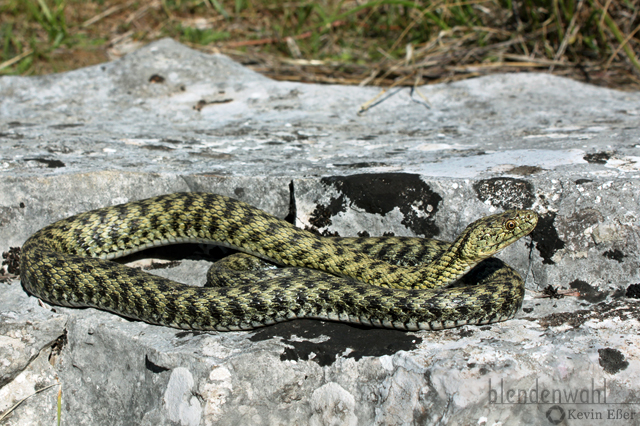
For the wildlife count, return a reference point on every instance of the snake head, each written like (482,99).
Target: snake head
(490,234)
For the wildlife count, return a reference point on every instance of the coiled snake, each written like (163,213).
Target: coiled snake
(67,264)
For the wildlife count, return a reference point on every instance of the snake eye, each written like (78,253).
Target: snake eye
(510,225)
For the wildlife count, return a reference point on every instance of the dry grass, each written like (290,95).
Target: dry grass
(384,42)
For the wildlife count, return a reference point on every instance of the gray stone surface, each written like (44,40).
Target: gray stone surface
(106,134)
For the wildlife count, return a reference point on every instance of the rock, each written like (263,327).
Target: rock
(166,118)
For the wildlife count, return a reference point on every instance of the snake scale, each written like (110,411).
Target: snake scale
(350,280)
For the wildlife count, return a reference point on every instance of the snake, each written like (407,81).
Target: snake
(405,283)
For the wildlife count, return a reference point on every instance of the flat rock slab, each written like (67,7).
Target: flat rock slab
(167,118)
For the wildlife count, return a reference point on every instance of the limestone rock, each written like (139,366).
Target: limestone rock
(166,118)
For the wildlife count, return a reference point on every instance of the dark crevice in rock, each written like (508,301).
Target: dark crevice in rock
(293,210)
(11,135)
(65,126)
(57,346)
(151,366)
(380,194)
(546,238)
(177,252)
(52,164)
(583,181)
(156,78)
(347,340)
(188,334)
(13,124)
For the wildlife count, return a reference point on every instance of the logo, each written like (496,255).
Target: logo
(565,403)
(555,414)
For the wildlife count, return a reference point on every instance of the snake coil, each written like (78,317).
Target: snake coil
(351,280)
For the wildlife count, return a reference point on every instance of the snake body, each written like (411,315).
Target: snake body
(351,280)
